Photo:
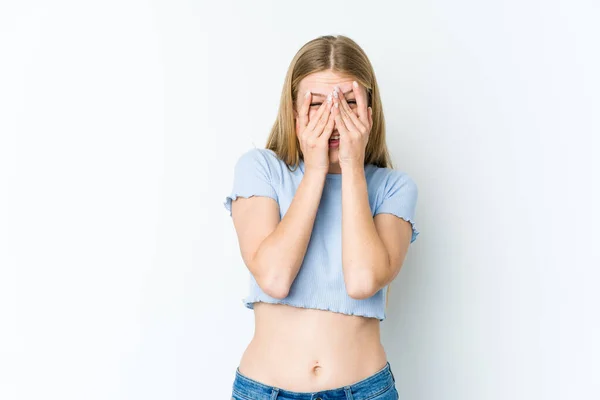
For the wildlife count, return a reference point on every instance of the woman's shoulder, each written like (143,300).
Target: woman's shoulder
(264,160)
(260,158)
(261,155)
(386,176)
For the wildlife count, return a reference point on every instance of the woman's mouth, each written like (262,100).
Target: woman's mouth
(334,139)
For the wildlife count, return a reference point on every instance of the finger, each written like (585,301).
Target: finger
(328,130)
(348,113)
(348,123)
(361,101)
(316,119)
(323,121)
(339,122)
(370,118)
(304,107)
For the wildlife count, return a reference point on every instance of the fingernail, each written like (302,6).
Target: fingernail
(329,98)
(336,105)
(307,94)
(355,84)
(335,94)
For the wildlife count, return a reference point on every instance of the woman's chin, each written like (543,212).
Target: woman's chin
(333,156)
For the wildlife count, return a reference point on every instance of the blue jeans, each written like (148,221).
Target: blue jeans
(379,386)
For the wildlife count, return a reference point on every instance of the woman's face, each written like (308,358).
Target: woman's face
(321,84)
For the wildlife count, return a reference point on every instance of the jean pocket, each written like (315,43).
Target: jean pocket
(388,394)
(237,396)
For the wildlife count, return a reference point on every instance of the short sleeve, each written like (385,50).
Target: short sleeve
(400,199)
(252,177)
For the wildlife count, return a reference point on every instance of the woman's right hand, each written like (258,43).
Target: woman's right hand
(314,134)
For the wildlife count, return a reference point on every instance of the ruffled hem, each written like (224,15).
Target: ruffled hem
(227,202)
(415,230)
(248,302)
(232,197)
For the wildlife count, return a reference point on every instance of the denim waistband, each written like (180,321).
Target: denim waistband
(366,388)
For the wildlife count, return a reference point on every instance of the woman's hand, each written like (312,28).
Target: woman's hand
(314,134)
(354,130)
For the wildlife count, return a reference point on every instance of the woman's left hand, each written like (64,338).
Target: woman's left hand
(354,129)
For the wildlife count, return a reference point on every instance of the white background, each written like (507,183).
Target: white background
(120,124)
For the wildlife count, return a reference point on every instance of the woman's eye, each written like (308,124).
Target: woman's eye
(315,104)
(351,101)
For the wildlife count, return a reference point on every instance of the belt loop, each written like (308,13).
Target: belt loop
(274,393)
(348,393)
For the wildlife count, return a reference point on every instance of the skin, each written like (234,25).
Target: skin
(320,85)
(307,350)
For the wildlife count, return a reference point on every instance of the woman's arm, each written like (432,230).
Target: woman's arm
(273,250)
(365,259)
(371,256)
(373,249)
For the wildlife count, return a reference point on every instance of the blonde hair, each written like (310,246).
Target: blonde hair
(342,55)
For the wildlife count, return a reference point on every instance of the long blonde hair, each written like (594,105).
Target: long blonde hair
(341,55)
(345,57)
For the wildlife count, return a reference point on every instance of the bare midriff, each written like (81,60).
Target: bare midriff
(309,350)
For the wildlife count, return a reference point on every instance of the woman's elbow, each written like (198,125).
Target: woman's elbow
(271,284)
(274,285)
(360,292)
(360,287)
(275,288)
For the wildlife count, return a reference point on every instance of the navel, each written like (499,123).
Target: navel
(316,368)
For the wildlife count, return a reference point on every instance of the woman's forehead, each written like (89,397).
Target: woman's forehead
(324,82)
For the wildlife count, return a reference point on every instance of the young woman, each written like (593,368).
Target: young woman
(324,224)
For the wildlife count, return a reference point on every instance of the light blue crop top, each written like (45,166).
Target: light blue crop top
(320,283)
